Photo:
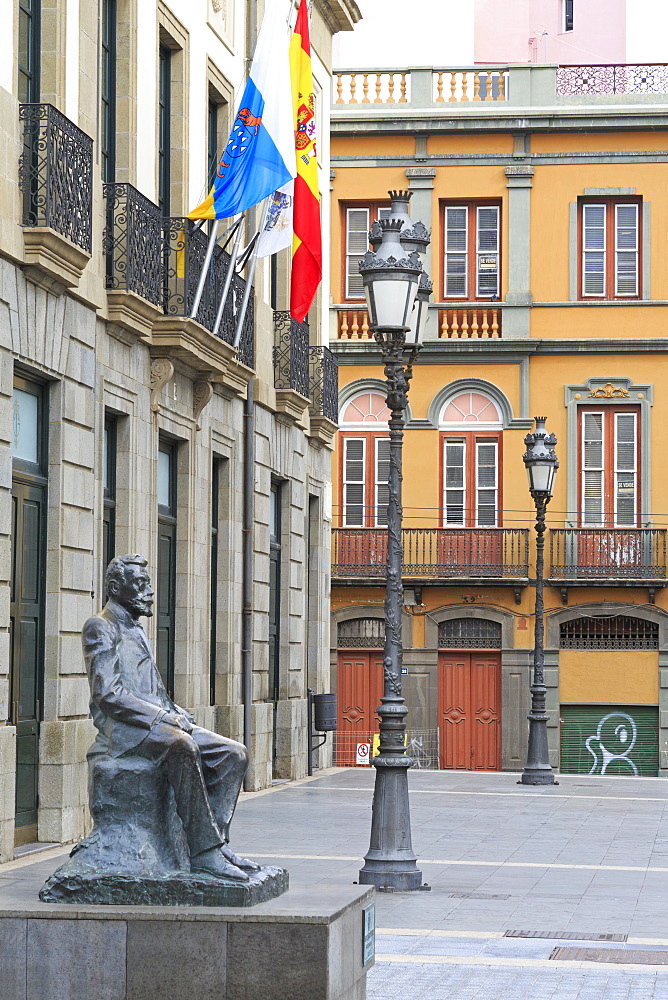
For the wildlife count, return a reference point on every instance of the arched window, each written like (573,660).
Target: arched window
(469,633)
(614,632)
(365,459)
(361,633)
(471,431)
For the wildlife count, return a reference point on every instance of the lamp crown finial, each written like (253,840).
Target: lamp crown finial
(400,195)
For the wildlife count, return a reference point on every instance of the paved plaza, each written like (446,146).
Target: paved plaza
(584,859)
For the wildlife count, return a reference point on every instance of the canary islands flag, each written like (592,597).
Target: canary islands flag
(260,155)
(307,244)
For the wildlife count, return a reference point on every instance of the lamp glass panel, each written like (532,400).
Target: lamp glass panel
(394,301)
(541,475)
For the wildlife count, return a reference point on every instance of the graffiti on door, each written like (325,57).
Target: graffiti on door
(614,740)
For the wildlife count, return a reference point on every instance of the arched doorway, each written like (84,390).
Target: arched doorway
(469,694)
(360,683)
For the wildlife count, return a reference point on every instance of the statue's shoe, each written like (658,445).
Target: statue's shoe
(214,862)
(245,864)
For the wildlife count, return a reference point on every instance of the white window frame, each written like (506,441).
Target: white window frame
(487,253)
(378,483)
(626,472)
(356,254)
(626,250)
(457,253)
(494,444)
(463,442)
(584,469)
(346,482)
(594,250)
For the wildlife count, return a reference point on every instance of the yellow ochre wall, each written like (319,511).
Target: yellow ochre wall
(555,187)
(628,677)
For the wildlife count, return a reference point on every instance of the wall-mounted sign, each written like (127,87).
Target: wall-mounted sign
(368,934)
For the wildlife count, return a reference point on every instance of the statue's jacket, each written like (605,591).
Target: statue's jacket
(128,697)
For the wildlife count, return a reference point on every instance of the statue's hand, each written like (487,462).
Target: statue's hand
(177,721)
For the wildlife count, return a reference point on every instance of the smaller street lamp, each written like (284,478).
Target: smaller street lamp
(541,464)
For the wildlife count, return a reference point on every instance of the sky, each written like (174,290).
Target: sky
(441,34)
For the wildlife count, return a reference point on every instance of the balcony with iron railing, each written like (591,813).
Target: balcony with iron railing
(153,266)
(291,364)
(469,87)
(324,394)
(56,183)
(435,555)
(615,557)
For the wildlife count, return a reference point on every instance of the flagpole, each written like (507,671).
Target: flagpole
(228,279)
(249,279)
(205,270)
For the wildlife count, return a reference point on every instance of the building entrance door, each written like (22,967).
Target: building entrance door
(360,688)
(26,630)
(469,710)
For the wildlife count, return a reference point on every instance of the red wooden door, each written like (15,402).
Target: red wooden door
(360,688)
(469,710)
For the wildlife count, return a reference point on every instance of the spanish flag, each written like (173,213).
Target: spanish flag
(307,243)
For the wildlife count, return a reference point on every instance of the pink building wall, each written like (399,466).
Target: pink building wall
(512,31)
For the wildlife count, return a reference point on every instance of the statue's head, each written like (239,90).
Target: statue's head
(128,583)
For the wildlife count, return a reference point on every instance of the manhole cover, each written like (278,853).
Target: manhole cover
(477,895)
(565,935)
(618,956)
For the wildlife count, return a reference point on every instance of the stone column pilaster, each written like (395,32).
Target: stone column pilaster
(516,321)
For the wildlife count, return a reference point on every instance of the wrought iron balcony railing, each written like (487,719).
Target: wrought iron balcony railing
(607,554)
(131,243)
(183,252)
(434,553)
(650,78)
(291,353)
(56,174)
(324,383)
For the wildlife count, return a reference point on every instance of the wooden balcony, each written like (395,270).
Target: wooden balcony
(607,557)
(434,555)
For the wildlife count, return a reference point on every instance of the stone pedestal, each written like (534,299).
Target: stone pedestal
(307,945)
(137,852)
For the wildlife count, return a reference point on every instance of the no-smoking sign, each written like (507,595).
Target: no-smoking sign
(362,755)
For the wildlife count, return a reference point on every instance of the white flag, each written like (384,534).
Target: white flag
(277,232)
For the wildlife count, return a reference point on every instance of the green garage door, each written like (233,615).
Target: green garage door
(610,739)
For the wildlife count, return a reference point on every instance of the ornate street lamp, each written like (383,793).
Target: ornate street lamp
(396,298)
(541,465)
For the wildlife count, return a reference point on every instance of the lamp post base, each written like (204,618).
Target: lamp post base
(538,775)
(396,875)
(390,862)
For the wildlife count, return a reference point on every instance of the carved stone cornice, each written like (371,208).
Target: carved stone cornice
(132,312)
(322,431)
(338,15)
(51,259)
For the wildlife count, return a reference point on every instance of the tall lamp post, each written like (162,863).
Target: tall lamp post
(541,465)
(397,291)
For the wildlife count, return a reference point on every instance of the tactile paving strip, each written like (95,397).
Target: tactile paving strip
(477,895)
(617,956)
(565,936)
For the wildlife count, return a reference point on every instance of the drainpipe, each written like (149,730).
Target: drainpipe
(247,574)
(249,482)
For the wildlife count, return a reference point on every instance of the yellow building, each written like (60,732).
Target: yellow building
(545,190)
